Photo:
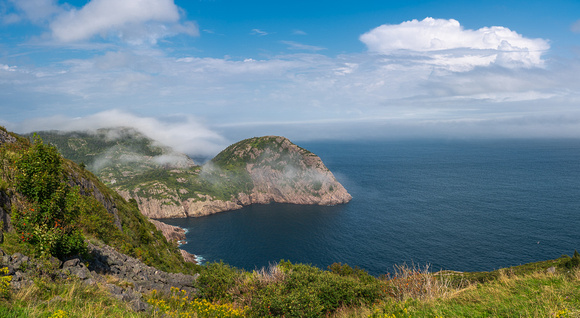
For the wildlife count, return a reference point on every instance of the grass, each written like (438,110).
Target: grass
(529,295)
(299,290)
(64,299)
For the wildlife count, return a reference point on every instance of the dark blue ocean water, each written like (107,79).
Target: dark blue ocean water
(460,205)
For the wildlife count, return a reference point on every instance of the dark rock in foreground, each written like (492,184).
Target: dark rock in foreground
(132,278)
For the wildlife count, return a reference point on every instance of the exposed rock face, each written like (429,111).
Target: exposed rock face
(171,233)
(282,172)
(156,208)
(274,169)
(201,208)
(188,257)
(6,137)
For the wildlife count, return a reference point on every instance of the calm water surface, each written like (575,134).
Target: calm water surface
(461,205)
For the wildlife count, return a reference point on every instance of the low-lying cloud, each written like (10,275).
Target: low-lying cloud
(185,133)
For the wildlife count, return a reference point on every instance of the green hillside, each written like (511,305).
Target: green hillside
(167,184)
(126,160)
(52,204)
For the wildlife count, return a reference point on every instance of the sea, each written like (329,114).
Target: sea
(464,205)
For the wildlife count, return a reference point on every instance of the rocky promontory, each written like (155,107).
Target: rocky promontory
(165,184)
(259,170)
(282,172)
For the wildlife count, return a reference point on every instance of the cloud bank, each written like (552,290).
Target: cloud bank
(185,133)
(36,11)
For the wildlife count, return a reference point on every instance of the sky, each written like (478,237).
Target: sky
(198,75)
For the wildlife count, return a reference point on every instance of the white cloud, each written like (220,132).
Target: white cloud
(4,67)
(304,47)
(258,32)
(447,43)
(184,133)
(134,21)
(418,90)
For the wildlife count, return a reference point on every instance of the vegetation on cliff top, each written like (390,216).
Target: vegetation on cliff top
(85,147)
(252,150)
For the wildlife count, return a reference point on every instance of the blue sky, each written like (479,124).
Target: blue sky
(201,74)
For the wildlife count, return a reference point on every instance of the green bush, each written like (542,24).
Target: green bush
(216,280)
(307,291)
(572,262)
(345,270)
(289,290)
(49,221)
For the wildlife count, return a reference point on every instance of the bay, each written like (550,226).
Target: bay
(461,205)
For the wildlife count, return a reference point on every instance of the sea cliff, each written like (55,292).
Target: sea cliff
(167,184)
(265,170)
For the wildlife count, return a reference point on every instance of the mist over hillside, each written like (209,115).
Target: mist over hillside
(166,183)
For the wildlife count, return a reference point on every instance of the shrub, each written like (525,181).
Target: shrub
(5,283)
(48,221)
(299,290)
(345,270)
(572,262)
(216,280)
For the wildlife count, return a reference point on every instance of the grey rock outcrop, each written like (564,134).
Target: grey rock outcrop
(144,278)
(131,280)
(286,173)
(171,233)
(6,137)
